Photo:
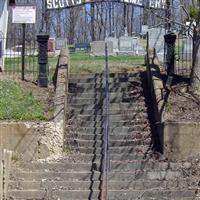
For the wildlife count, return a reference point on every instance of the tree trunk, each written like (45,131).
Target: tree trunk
(71,26)
(195,76)
(92,22)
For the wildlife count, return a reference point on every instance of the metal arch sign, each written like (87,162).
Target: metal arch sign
(60,4)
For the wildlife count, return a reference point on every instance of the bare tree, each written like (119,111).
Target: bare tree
(194,17)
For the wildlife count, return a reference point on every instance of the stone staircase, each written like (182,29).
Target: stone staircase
(134,172)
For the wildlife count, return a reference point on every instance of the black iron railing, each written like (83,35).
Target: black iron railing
(106,159)
(16,60)
(182,55)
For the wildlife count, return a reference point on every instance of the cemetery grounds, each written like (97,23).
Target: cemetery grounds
(84,63)
(24,100)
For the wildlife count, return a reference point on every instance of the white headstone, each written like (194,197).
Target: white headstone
(114,40)
(126,44)
(144,29)
(126,32)
(61,43)
(187,49)
(98,48)
(156,40)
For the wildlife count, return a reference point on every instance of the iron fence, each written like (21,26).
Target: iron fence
(11,57)
(183,55)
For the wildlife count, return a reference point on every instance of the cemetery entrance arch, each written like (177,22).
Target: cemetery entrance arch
(58,4)
(84,21)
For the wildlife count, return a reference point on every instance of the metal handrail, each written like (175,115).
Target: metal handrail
(106,159)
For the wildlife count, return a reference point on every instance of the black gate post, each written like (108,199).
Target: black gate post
(170,40)
(42,40)
(23,50)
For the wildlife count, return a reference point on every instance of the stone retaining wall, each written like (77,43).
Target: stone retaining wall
(179,140)
(30,140)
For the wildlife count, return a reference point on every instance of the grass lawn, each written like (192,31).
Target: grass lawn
(16,104)
(80,63)
(86,63)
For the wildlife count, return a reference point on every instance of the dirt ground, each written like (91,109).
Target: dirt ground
(183,104)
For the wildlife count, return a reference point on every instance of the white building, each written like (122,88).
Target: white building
(4,5)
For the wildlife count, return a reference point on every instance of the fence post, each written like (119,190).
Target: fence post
(170,40)
(42,40)
(23,50)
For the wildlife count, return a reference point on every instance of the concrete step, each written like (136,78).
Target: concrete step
(98,110)
(137,124)
(113,95)
(114,127)
(113,106)
(113,194)
(85,185)
(127,194)
(100,100)
(112,130)
(120,165)
(27,194)
(55,176)
(101,89)
(121,136)
(61,185)
(103,84)
(101,79)
(113,150)
(88,158)
(115,118)
(140,174)
(116,194)
(101,75)
(112,143)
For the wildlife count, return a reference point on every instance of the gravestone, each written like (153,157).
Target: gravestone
(135,42)
(60,43)
(114,40)
(51,45)
(144,29)
(156,40)
(137,47)
(84,46)
(130,45)
(187,49)
(98,48)
(126,43)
